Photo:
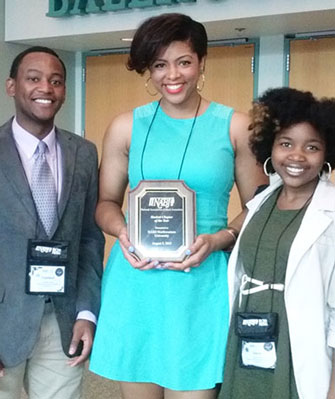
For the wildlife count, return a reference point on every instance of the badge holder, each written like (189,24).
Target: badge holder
(46,272)
(258,333)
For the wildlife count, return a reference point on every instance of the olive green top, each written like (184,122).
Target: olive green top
(264,250)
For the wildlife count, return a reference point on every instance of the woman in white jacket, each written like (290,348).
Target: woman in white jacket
(281,271)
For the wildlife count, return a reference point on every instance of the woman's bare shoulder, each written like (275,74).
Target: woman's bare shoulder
(119,129)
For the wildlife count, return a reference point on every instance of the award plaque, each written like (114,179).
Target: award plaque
(161,219)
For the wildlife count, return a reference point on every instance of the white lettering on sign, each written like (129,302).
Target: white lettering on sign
(161,202)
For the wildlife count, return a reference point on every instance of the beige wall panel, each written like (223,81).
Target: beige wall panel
(112,89)
(229,79)
(312,66)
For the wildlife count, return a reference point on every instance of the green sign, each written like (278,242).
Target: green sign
(63,8)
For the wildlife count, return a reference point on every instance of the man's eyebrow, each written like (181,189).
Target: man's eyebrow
(39,71)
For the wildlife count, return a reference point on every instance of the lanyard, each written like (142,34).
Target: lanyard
(303,208)
(187,142)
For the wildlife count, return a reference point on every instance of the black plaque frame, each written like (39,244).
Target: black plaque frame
(161,219)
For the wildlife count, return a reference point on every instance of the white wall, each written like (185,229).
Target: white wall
(271,62)
(201,10)
(7,53)
(65,118)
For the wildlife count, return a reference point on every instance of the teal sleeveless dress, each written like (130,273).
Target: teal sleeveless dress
(169,327)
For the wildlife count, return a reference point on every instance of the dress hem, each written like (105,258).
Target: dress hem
(153,381)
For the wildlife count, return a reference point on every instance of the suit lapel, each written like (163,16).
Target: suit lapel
(69,154)
(12,168)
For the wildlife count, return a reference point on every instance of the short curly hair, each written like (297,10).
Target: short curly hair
(281,108)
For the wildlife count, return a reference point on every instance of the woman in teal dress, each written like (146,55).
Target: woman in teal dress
(284,261)
(163,325)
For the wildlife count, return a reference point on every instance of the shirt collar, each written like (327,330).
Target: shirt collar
(28,142)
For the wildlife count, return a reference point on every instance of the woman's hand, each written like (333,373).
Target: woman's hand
(2,369)
(128,252)
(202,247)
(331,392)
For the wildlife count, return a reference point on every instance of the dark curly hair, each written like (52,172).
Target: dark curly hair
(157,33)
(281,108)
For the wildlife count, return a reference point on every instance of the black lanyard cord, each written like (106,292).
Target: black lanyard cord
(186,145)
(277,245)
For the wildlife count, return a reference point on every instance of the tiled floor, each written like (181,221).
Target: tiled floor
(96,387)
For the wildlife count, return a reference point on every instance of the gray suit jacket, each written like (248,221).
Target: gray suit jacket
(21,314)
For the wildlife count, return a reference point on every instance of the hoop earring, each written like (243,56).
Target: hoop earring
(323,175)
(267,173)
(202,82)
(146,85)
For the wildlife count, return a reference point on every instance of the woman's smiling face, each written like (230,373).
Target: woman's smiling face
(175,73)
(298,155)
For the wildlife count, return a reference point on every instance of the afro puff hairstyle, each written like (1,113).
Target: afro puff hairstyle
(281,108)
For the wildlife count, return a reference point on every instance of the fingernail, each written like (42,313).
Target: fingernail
(188,252)
(187,270)
(131,249)
(156,263)
(149,260)
(166,265)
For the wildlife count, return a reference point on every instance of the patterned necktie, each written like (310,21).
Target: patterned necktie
(43,188)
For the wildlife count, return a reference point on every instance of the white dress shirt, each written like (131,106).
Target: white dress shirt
(26,144)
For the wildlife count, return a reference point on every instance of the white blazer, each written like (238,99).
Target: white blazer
(309,289)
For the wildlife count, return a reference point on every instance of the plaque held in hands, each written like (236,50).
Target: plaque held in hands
(161,219)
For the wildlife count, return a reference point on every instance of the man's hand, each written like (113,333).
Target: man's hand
(2,369)
(83,330)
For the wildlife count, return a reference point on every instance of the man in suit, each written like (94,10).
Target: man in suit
(47,312)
